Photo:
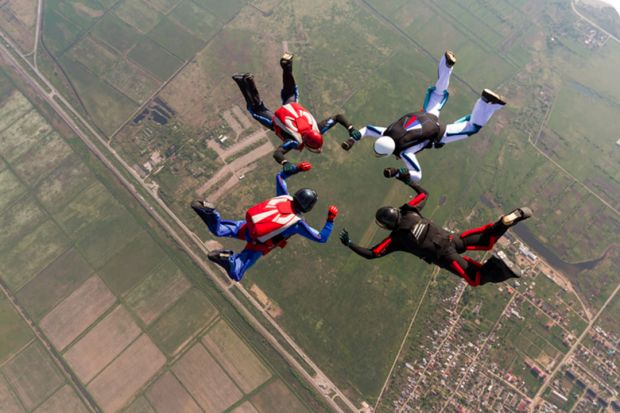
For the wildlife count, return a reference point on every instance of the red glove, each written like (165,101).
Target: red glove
(332,211)
(304,166)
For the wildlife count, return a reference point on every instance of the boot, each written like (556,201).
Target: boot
(203,206)
(286,61)
(450,58)
(489,96)
(518,215)
(221,258)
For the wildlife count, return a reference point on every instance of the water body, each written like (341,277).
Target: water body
(528,237)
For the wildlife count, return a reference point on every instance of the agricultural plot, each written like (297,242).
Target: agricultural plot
(102,344)
(76,312)
(81,13)
(65,400)
(139,14)
(17,19)
(58,32)
(154,59)
(195,19)
(21,218)
(237,359)
(175,39)
(15,331)
(277,398)
(33,375)
(162,288)
(182,321)
(49,152)
(54,283)
(8,402)
(116,33)
(205,380)
(132,263)
(126,374)
(167,395)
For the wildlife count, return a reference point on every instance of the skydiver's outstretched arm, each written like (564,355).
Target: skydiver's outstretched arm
(289,170)
(383,248)
(368,131)
(279,154)
(402,175)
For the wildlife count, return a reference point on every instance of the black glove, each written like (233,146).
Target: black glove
(403,174)
(355,134)
(438,145)
(390,172)
(344,237)
(348,144)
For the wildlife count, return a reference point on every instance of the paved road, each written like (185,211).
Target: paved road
(320,381)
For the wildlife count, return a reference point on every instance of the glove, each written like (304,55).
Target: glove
(403,174)
(344,237)
(355,134)
(332,211)
(304,166)
(348,144)
(390,172)
(291,169)
(438,145)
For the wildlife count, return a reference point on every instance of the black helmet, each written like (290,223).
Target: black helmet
(304,199)
(387,217)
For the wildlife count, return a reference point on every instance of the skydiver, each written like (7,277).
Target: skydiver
(413,233)
(292,122)
(267,225)
(417,131)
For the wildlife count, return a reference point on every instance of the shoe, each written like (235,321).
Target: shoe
(516,216)
(204,206)
(286,61)
(221,257)
(489,96)
(450,58)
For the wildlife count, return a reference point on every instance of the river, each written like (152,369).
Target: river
(546,253)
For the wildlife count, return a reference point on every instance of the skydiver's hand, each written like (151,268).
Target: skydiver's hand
(344,237)
(390,172)
(348,144)
(355,134)
(304,166)
(332,211)
(403,174)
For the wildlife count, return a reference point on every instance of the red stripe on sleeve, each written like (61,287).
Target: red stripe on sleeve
(381,247)
(416,201)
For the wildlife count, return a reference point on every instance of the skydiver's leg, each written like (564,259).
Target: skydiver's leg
(469,125)
(254,103)
(290,92)
(484,237)
(462,266)
(240,263)
(437,95)
(412,164)
(218,226)
(495,270)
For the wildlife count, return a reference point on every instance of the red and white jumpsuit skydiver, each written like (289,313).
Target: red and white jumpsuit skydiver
(292,123)
(417,131)
(268,225)
(413,233)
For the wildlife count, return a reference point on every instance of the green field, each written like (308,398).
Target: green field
(116,32)
(175,39)
(154,59)
(15,331)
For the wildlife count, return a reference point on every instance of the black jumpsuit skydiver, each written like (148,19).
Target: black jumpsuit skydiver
(421,237)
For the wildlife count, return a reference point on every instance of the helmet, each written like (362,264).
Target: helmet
(387,217)
(384,146)
(312,140)
(304,199)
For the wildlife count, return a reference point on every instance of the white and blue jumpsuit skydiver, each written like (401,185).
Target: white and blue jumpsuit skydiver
(416,131)
(237,264)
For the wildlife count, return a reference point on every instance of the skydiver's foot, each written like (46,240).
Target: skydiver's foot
(221,258)
(241,77)
(450,58)
(489,96)
(203,206)
(286,61)
(518,215)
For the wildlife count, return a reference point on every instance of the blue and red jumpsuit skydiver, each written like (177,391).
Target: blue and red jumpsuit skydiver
(240,262)
(292,123)
(421,237)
